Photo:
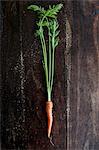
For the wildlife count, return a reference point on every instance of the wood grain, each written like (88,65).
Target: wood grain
(84,80)
(76,84)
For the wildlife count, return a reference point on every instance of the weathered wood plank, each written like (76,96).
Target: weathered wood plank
(84,80)
(36,97)
(13,131)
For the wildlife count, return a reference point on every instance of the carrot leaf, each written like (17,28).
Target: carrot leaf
(48,21)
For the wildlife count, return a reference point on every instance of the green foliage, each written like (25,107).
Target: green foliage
(51,12)
(36,8)
(48,20)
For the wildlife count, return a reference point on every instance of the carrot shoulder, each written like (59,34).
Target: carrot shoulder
(49,107)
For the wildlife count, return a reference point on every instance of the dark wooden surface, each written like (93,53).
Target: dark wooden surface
(84,79)
(76,84)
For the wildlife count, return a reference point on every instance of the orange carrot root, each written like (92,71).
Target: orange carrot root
(49,107)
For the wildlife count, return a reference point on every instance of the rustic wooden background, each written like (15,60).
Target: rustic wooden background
(76,84)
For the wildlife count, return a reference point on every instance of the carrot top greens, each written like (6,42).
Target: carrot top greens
(48,20)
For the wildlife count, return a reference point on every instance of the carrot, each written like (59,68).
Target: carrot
(48,20)
(49,107)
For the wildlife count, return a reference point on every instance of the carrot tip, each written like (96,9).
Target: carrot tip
(49,135)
